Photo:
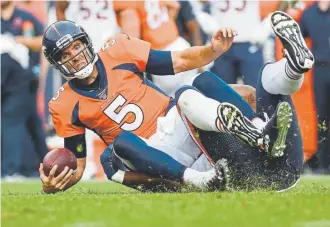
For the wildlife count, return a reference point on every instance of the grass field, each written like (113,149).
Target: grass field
(100,204)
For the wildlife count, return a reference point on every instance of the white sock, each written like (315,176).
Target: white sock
(196,178)
(279,78)
(200,110)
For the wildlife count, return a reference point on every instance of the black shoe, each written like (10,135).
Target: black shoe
(231,120)
(299,57)
(276,130)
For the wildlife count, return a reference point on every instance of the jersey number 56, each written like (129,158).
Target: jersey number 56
(119,116)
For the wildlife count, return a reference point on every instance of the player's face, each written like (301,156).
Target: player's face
(75,57)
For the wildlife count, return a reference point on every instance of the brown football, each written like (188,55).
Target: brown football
(61,157)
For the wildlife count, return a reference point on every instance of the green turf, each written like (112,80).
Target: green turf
(100,204)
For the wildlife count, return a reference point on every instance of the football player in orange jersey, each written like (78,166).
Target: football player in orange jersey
(150,136)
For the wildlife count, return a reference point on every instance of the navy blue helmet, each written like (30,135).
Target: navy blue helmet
(60,35)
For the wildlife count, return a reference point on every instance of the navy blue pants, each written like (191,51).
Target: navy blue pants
(320,163)
(15,111)
(251,168)
(23,141)
(242,59)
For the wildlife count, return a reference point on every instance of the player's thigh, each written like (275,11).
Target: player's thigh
(173,138)
(250,65)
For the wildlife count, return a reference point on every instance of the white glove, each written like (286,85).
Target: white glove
(17,51)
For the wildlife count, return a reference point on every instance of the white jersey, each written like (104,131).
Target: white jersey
(97,17)
(243,15)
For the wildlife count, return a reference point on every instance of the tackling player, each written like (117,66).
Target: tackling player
(240,165)
(108,94)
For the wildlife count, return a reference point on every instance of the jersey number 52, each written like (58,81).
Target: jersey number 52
(119,116)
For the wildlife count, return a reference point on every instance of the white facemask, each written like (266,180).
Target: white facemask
(84,72)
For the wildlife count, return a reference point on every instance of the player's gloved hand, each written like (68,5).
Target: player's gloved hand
(52,184)
(222,39)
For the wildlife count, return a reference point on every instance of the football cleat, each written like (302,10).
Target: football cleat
(276,130)
(218,177)
(231,120)
(222,170)
(299,57)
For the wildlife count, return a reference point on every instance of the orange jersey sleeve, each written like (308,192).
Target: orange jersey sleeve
(61,108)
(129,49)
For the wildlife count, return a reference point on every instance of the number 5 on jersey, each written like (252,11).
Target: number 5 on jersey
(119,116)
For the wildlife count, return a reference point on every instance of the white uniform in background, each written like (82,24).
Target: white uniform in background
(97,17)
(171,83)
(244,16)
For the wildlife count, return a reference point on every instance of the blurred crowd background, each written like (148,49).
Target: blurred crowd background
(28,83)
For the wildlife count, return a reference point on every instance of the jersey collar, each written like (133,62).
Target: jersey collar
(95,94)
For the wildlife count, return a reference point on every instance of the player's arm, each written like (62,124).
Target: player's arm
(61,7)
(33,43)
(188,17)
(130,23)
(173,8)
(198,56)
(68,178)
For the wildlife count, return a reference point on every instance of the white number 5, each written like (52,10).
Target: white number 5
(119,101)
(58,93)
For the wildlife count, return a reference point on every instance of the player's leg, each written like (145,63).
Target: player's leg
(250,63)
(14,114)
(210,115)
(36,131)
(138,156)
(277,82)
(216,89)
(321,88)
(281,79)
(224,66)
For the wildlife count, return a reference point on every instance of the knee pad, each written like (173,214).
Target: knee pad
(183,89)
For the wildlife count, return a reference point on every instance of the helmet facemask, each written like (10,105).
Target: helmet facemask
(67,68)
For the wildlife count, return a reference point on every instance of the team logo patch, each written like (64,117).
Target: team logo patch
(108,44)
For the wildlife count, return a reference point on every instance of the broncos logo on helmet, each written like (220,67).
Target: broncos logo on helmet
(58,37)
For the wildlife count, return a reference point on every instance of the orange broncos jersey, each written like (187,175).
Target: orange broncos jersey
(157,26)
(124,101)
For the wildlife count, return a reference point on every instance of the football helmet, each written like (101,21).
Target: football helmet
(60,35)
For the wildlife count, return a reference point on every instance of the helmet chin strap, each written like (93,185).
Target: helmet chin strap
(84,72)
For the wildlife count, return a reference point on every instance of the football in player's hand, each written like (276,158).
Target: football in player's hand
(61,157)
